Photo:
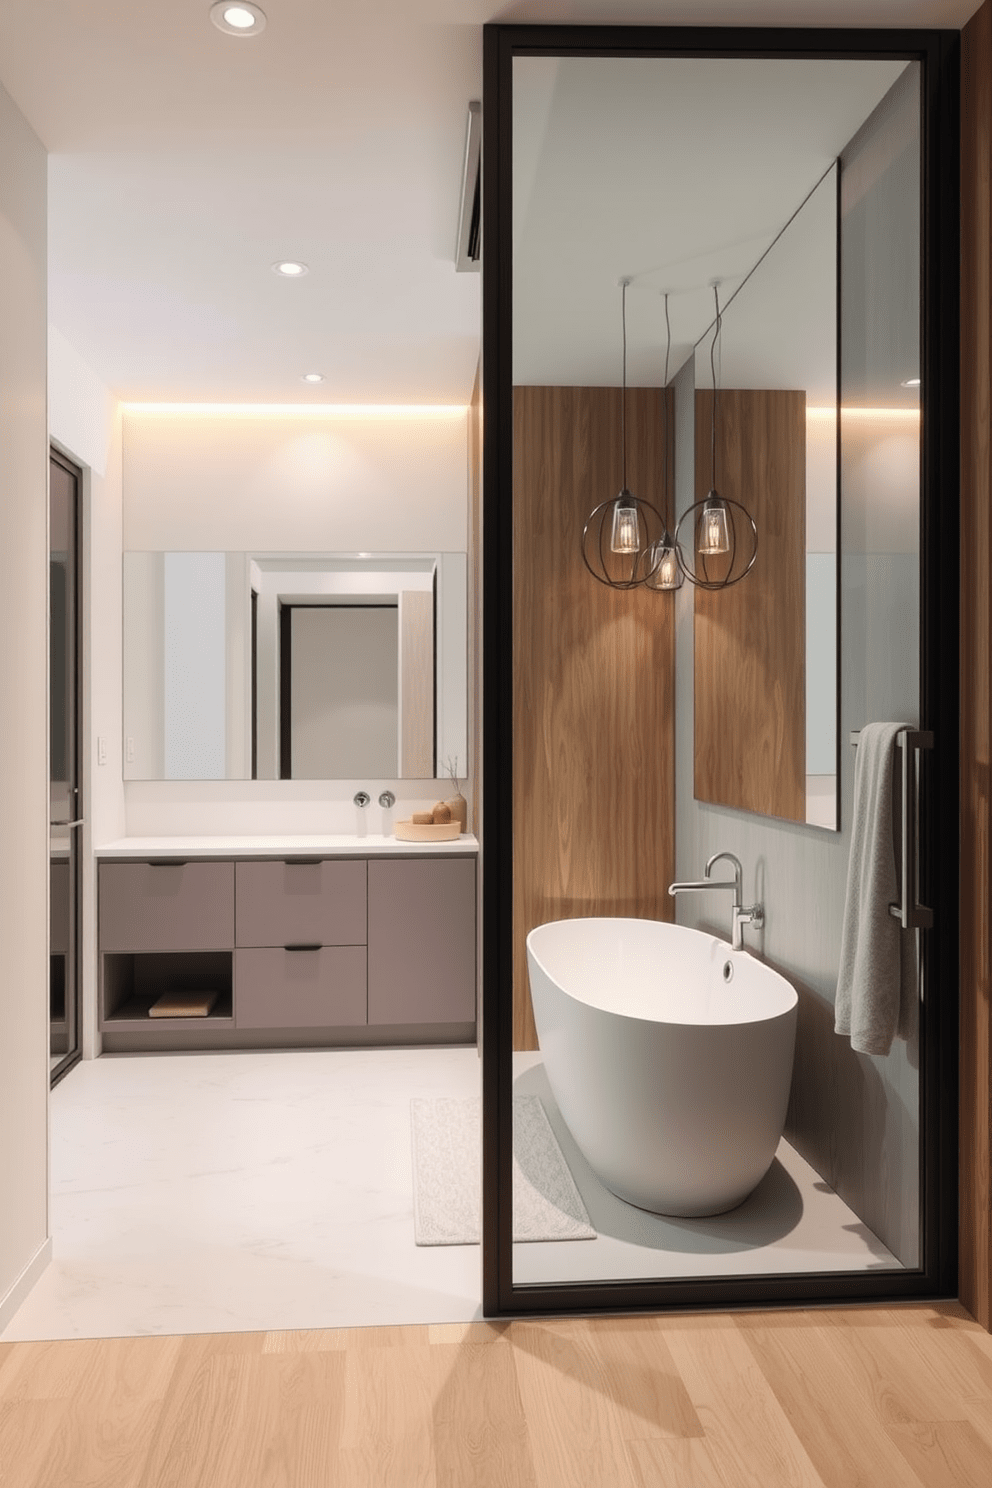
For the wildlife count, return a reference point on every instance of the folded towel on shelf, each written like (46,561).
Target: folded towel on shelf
(877,981)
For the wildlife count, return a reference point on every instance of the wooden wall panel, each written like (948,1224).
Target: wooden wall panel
(750,639)
(593,757)
(975,1094)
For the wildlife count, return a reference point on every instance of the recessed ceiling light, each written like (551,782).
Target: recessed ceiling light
(910,382)
(290,269)
(313,377)
(238,17)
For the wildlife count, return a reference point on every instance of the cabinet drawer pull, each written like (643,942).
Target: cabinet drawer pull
(167,862)
(303,946)
(302,862)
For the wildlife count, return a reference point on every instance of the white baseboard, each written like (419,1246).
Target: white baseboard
(19,1291)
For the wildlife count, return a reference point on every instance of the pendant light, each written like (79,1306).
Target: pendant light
(665,570)
(634,525)
(723,531)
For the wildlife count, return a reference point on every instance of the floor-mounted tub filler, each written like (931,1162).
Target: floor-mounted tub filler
(669,1055)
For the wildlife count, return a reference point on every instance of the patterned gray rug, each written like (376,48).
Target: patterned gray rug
(447,1172)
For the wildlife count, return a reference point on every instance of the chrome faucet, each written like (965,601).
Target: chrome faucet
(753,915)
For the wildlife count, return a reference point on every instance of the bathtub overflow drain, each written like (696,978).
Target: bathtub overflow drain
(728,971)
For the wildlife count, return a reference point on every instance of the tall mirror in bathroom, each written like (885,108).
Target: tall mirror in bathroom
(766,704)
(784,170)
(294,666)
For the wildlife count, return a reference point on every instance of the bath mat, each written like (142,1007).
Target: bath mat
(447,1172)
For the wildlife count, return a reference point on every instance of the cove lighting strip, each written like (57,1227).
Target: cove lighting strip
(304,410)
(863,413)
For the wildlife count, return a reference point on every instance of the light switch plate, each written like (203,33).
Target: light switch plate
(101,750)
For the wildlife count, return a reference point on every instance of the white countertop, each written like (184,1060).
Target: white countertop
(275,845)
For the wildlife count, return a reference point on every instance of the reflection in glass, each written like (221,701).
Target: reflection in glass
(766,226)
(216,687)
(64,795)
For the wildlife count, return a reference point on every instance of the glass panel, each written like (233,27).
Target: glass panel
(63,1013)
(683,1109)
(63,755)
(880,568)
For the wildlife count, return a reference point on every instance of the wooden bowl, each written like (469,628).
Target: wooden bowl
(411,831)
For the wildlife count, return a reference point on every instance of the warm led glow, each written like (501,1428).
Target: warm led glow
(626,534)
(713,535)
(290,269)
(666,573)
(302,410)
(238,17)
(312,377)
(864,413)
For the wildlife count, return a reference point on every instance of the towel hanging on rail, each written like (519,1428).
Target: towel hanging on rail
(877,979)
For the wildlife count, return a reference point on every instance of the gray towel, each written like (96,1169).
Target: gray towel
(876,984)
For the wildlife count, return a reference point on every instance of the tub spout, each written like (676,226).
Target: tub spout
(754,915)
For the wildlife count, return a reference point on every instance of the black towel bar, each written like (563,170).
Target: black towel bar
(910,913)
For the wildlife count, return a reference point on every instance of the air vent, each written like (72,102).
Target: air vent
(468,250)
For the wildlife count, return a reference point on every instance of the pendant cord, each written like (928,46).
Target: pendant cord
(668,353)
(623,393)
(716,332)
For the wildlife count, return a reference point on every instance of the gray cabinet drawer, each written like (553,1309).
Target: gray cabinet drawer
(422,941)
(166,907)
(281,903)
(320,988)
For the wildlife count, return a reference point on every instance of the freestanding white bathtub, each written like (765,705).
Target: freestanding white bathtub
(670,1057)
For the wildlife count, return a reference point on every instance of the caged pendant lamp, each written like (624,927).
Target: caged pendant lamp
(664,568)
(621,535)
(724,535)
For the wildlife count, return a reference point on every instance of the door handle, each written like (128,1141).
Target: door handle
(910,913)
(77,823)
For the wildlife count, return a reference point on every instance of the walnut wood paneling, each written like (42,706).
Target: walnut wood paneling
(975,1153)
(593,758)
(750,639)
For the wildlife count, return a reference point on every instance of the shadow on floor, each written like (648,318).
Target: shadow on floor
(770,1213)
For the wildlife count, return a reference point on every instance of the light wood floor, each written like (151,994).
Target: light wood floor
(844,1397)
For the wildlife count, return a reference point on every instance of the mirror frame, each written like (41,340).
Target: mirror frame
(938,52)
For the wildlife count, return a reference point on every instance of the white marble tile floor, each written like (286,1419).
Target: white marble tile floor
(233,1192)
(250,1191)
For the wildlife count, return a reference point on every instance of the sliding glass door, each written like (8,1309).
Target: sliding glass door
(720,266)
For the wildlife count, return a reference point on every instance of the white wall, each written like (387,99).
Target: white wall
(333,484)
(24,1245)
(262,481)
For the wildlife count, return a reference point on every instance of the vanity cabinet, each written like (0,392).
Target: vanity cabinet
(298,952)
(166,904)
(422,941)
(301,900)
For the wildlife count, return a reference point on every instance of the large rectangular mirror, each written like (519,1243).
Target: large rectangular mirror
(765,649)
(313,666)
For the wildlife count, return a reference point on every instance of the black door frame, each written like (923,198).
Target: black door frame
(938,52)
(74,968)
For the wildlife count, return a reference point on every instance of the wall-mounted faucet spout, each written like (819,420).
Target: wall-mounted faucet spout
(753,915)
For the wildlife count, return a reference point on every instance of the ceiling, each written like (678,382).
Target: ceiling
(184,162)
(677,173)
